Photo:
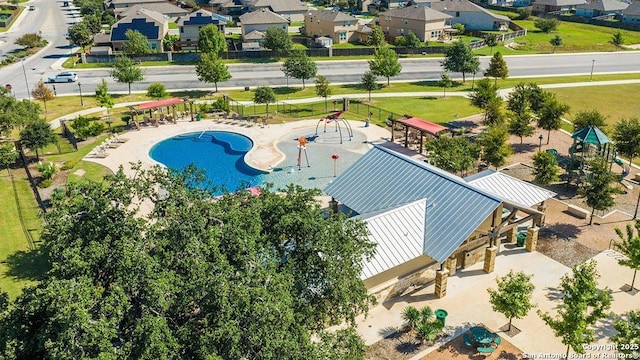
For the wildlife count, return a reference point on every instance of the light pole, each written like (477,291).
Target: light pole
(540,145)
(25,80)
(593,62)
(80,89)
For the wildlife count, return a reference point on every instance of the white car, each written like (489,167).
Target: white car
(64,77)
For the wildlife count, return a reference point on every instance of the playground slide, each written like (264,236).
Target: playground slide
(625,171)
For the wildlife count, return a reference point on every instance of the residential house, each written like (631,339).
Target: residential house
(292,10)
(190,26)
(632,13)
(472,16)
(595,8)
(150,23)
(118,5)
(253,40)
(261,20)
(542,7)
(226,7)
(169,11)
(427,24)
(426,222)
(338,26)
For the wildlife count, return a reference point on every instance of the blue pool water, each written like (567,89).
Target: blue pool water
(219,153)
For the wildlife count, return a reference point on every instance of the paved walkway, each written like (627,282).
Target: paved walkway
(467,301)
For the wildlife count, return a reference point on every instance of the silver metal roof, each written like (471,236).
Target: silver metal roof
(399,235)
(383,179)
(510,188)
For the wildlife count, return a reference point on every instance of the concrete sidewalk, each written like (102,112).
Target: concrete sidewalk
(467,302)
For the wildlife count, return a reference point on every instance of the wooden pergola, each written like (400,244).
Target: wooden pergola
(421,125)
(152,106)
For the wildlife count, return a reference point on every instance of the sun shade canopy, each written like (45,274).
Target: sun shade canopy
(423,125)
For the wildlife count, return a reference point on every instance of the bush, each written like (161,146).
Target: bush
(31,40)
(220,104)
(85,127)
(68,165)
(546,25)
(459,27)
(523,13)
(45,183)
(46,170)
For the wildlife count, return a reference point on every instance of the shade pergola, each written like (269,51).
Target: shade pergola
(423,126)
(170,104)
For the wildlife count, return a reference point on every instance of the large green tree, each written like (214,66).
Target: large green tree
(16,113)
(103,98)
(550,115)
(385,63)
(126,71)
(79,34)
(520,124)
(628,336)
(211,40)
(369,82)
(497,67)
(277,40)
(212,69)
(582,305)
(37,135)
(626,135)
(376,38)
(495,148)
(244,276)
(456,155)
(584,118)
(545,168)
(483,92)
(597,189)
(629,246)
(460,58)
(300,66)
(136,43)
(264,95)
(491,40)
(513,296)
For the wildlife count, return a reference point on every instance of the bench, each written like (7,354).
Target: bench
(578,211)
(486,350)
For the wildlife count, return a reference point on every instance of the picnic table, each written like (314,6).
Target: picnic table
(481,335)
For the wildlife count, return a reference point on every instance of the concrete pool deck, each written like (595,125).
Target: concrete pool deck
(264,155)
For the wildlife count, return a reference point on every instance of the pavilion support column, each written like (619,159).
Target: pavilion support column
(450,265)
(421,141)
(496,243)
(511,234)
(173,112)
(406,136)
(490,259)
(539,220)
(191,111)
(393,129)
(532,238)
(441,283)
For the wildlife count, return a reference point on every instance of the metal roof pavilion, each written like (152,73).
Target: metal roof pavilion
(423,125)
(160,103)
(510,188)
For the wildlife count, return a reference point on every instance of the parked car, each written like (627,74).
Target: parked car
(64,77)
(31,8)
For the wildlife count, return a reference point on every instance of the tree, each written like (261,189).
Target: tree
(493,113)
(93,23)
(626,135)
(483,93)
(369,82)
(523,13)
(43,93)
(264,95)
(170,40)
(555,42)
(156,91)
(456,155)
(37,135)
(376,38)
(136,43)
(513,296)
(211,40)
(584,118)
(460,58)
(597,189)
(550,115)
(385,63)
(617,39)
(8,156)
(520,124)
(126,71)
(546,25)
(16,113)
(300,66)
(79,34)
(411,41)
(277,40)
(103,98)
(628,336)
(583,304)
(31,40)
(629,246)
(497,68)
(491,40)
(323,89)
(212,69)
(546,168)
(445,82)
(495,149)
(261,275)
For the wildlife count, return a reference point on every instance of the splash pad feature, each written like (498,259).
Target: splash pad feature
(337,120)
(302,146)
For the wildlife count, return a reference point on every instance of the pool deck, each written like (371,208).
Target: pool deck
(263,156)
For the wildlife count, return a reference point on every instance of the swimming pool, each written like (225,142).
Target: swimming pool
(219,153)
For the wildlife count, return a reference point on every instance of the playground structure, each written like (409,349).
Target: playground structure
(336,119)
(588,143)
(302,146)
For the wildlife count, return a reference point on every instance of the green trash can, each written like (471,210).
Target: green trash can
(198,117)
(521,237)
(441,315)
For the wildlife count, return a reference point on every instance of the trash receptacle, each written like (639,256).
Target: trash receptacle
(521,237)
(198,117)
(441,315)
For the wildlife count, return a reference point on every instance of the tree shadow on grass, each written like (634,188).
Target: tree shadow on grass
(286,90)
(28,265)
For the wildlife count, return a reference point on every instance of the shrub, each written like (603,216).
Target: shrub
(84,127)
(546,25)
(31,40)
(46,170)
(68,165)
(459,27)
(45,183)
(523,13)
